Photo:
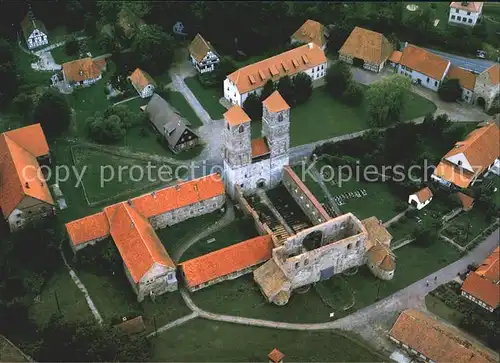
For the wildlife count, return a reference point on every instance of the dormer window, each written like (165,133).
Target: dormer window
(459,162)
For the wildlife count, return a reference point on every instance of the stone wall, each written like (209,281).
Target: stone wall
(303,197)
(230,276)
(157,281)
(485,89)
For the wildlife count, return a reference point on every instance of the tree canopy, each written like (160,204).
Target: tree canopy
(253,107)
(302,85)
(338,78)
(153,48)
(450,90)
(52,111)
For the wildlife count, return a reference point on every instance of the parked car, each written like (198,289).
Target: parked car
(481,54)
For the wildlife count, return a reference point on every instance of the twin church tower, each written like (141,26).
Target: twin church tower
(256,163)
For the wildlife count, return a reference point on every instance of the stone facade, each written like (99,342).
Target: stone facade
(231,276)
(158,280)
(486,90)
(28,211)
(253,172)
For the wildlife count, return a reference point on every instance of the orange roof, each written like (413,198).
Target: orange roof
(199,48)
(467,79)
(466,200)
(367,45)
(136,241)
(275,103)
(424,62)
(288,63)
(275,355)
(395,56)
(259,147)
(468,6)
(447,171)
(483,289)
(490,267)
(388,263)
(307,192)
(235,116)
(311,32)
(424,194)
(100,63)
(80,70)
(436,340)
(19,176)
(89,228)
(481,147)
(30,138)
(150,205)
(494,74)
(227,260)
(140,79)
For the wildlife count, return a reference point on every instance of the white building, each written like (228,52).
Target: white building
(423,67)
(82,72)
(203,55)
(34,32)
(421,198)
(257,163)
(465,12)
(308,58)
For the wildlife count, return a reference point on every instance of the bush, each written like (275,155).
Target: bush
(105,129)
(52,111)
(400,206)
(302,85)
(72,46)
(338,78)
(353,95)
(411,213)
(208,80)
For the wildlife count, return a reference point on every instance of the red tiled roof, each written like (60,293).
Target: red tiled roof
(140,79)
(466,200)
(466,79)
(20,175)
(31,138)
(395,56)
(435,340)
(288,63)
(311,32)
(136,241)
(275,355)
(424,194)
(80,70)
(494,74)
(481,147)
(367,45)
(259,147)
(483,289)
(275,103)
(307,192)
(424,62)
(150,205)
(469,6)
(227,260)
(490,267)
(236,115)
(447,171)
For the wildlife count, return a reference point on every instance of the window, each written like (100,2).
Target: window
(470,20)
(468,13)
(452,17)
(435,83)
(280,117)
(241,129)
(349,246)
(464,19)
(459,18)
(306,262)
(456,10)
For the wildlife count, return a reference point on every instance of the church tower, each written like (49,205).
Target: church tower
(276,130)
(237,148)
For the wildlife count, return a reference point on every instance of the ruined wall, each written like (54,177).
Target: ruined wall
(303,197)
(190,211)
(305,267)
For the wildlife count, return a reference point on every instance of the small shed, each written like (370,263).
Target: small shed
(132,326)
(421,198)
(467,201)
(275,356)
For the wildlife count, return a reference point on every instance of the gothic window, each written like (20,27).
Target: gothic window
(241,129)
(349,246)
(228,126)
(306,262)
(280,117)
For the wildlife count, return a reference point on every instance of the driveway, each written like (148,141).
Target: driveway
(475,65)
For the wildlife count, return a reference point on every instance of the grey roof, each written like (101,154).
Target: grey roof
(167,120)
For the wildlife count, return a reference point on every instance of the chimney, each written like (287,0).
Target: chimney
(177,187)
(153,194)
(310,45)
(27,185)
(129,202)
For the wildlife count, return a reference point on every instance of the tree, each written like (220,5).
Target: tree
(153,48)
(72,46)
(453,133)
(253,107)
(52,111)
(426,234)
(302,85)
(385,100)
(286,90)
(338,77)
(9,81)
(267,90)
(105,129)
(226,66)
(450,90)
(353,95)
(127,116)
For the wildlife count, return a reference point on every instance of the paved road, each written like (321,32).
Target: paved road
(371,316)
(475,65)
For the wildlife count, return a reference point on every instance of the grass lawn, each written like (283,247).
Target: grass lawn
(436,306)
(441,11)
(177,100)
(324,117)
(466,226)
(102,166)
(71,300)
(237,231)
(88,45)
(202,340)
(114,298)
(208,97)
(173,236)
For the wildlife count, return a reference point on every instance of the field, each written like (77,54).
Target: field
(208,97)
(177,100)
(201,340)
(466,227)
(324,117)
(10,353)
